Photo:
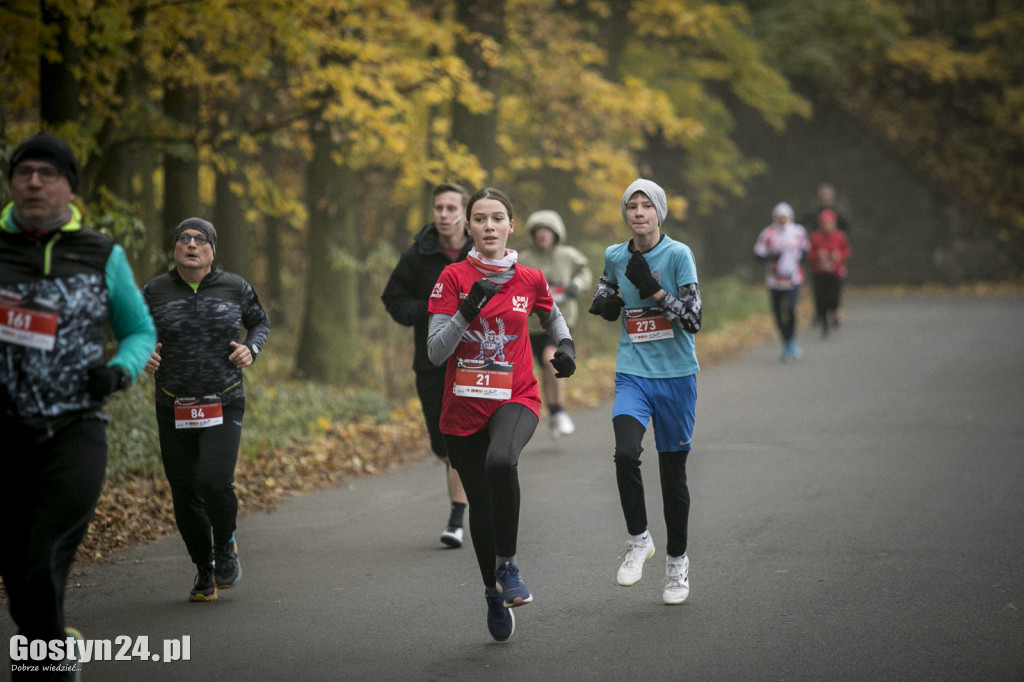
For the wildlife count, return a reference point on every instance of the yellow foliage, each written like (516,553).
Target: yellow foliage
(936,58)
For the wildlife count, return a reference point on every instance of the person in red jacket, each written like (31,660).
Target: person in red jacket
(830,249)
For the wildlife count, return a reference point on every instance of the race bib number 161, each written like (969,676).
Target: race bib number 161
(25,326)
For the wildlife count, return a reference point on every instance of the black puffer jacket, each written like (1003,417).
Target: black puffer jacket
(195,328)
(408,289)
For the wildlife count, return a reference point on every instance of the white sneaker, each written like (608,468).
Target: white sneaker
(677,580)
(452,536)
(561,424)
(633,559)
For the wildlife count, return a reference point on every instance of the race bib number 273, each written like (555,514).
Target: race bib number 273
(647,324)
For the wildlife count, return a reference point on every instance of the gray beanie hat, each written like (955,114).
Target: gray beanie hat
(653,192)
(199,225)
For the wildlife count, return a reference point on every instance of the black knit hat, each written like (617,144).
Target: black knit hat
(45,147)
(199,225)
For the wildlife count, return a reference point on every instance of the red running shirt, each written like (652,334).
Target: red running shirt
(493,363)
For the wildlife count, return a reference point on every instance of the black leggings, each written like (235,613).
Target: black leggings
(784,308)
(827,289)
(49,492)
(488,465)
(629,434)
(200,468)
(430,389)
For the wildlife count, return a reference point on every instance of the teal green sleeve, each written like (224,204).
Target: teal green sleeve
(128,315)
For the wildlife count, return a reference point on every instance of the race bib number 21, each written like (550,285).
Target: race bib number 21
(490,380)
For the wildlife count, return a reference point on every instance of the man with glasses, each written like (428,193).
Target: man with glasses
(61,286)
(199,313)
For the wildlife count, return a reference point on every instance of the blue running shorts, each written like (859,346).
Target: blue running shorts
(670,403)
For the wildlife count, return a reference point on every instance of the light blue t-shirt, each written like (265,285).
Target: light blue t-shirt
(673,266)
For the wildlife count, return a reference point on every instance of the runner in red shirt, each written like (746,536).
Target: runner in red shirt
(479,310)
(830,250)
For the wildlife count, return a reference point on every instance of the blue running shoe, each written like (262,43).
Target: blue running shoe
(501,623)
(511,588)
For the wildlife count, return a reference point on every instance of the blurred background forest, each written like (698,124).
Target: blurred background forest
(311,132)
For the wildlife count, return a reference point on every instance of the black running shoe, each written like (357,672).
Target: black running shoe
(204,589)
(227,568)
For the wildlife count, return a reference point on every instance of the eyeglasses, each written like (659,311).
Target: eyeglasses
(47,174)
(201,240)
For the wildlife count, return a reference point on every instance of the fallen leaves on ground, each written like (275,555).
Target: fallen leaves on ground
(139,508)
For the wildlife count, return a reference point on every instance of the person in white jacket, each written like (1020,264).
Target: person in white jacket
(783,246)
(568,273)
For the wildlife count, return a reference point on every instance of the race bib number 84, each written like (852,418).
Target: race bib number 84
(190,413)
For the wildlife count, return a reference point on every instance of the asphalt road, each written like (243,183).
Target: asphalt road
(856,515)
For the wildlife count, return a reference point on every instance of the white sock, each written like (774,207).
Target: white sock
(642,538)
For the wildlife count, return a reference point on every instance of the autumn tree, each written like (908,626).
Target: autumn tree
(949,94)
(580,122)
(939,80)
(375,71)
(475,123)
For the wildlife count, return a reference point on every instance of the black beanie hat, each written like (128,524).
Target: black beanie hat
(199,225)
(45,147)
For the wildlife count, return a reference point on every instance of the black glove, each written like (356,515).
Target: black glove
(104,381)
(638,272)
(564,361)
(481,292)
(607,306)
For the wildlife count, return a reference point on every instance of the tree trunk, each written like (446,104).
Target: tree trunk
(58,87)
(329,338)
(273,301)
(181,161)
(234,235)
(479,132)
(274,229)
